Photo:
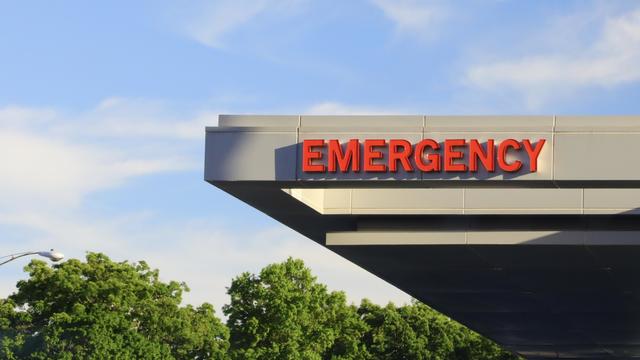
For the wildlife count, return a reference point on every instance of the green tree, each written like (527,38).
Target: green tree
(469,345)
(415,331)
(105,310)
(408,332)
(283,313)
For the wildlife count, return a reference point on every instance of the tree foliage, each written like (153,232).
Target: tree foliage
(107,310)
(118,310)
(283,313)
(415,331)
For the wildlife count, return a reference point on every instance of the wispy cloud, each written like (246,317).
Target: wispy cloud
(130,118)
(55,158)
(203,252)
(222,253)
(413,16)
(609,60)
(54,161)
(212,21)
(37,168)
(337,108)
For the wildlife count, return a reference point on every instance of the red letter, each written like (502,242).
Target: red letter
(476,152)
(502,155)
(533,153)
(402,156)
(434,158)
(351,155)
(450,155)
(308,155)
(370,155)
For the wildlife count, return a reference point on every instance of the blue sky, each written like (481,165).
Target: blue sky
(103,108)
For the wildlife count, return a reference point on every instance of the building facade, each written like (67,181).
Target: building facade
(524,228)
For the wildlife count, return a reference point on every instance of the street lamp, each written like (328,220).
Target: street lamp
(51,255)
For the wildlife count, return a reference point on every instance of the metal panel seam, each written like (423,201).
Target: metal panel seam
(464,203)
(351,201)
(298,150)
(424,126)
(553,152)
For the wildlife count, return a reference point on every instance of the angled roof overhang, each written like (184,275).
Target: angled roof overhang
(522,257)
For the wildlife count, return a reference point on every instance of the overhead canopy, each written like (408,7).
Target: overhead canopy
(542,259)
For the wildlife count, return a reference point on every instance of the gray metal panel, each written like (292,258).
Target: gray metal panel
(489,124)
(542,200)
(251,155)
(407,201)
(387,238)
(596,156)
(612,200)
(597,124)
(388,122)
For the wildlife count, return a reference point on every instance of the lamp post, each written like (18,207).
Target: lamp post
(51,255)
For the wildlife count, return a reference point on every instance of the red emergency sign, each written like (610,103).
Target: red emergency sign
(428,155)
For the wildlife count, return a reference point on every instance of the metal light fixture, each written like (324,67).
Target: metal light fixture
(52,255)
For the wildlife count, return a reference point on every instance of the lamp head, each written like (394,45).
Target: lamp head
(52,255)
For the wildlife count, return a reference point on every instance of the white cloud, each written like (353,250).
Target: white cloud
(51,171)
(55,159)
(212,21)
(207,258)
(223,17)
(610,60)
(52,162)
(129,118)
(202,252)
(413,16)
(16,116)
(337,108)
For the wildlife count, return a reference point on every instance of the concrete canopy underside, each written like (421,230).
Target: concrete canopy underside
(545,263)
